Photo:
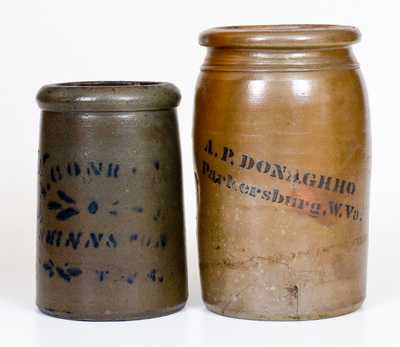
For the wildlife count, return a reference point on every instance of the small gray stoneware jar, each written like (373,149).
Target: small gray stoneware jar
(110,222)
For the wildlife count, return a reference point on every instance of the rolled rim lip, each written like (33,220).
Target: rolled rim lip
(103,96)
(280,36)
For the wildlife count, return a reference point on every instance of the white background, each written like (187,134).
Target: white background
(45,41)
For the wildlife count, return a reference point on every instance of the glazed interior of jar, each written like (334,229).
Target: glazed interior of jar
(109,84)
(280,36)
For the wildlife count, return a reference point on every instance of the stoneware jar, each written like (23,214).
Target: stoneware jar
(282,164)
(110,224)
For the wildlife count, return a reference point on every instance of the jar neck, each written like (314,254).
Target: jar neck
(267,59)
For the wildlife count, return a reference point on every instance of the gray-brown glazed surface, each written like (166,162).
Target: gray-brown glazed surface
(110,223)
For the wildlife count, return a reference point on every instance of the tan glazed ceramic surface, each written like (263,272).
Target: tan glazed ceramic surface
(282,165)
(110,225)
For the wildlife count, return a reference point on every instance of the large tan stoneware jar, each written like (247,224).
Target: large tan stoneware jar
(282,165)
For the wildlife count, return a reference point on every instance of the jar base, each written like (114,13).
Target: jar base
(114,316)
(267,317)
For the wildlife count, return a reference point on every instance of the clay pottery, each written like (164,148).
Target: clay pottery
(281,141)
(110,224)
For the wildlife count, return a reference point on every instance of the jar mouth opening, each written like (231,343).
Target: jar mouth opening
(108,96)
(107,84)
(282,27)
(280,36)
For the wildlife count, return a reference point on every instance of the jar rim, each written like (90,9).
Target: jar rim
(106,96)
(280,36)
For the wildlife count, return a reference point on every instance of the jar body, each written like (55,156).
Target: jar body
(111,230)
(282,165)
